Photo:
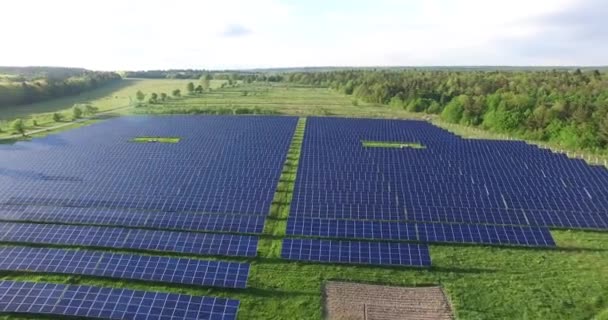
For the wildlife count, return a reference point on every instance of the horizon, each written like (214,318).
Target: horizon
(272,34)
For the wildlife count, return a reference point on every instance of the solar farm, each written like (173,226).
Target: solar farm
(216,217)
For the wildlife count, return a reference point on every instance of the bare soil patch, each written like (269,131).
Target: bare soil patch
(355,301)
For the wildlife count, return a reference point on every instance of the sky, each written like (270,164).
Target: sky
(239,34)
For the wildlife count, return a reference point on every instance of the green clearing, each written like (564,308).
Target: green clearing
(156,139)
(482,282)
(388,144)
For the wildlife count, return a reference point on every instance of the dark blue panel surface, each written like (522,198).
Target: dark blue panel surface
(182,242)
(108,303)
(356,229)
(125,266)
(221,165)
(356,252)
(135,218)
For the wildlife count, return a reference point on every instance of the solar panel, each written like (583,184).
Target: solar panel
(132,218)
(356,252)
(485,234)
(125,266)
(171,241)
(356,229)
(107,303)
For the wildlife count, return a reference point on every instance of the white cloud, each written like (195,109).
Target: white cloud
(139,34)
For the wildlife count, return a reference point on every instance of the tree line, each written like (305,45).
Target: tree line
(568,107)
(28,85)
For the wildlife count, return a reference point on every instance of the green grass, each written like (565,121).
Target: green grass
(156,139)
(119,96)
(482,282)
(387,144)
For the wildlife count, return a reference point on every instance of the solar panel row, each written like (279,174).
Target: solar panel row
(125,266)
(356,252)
(106,303)
(423,232)
(133,218)
(121,238)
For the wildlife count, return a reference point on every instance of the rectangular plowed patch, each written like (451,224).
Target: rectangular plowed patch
(355,301)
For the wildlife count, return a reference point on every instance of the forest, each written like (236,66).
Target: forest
(24,85)
(566,107)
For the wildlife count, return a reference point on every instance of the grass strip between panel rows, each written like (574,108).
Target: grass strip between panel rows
(276,223)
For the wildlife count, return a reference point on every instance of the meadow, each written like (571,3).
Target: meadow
(482,282)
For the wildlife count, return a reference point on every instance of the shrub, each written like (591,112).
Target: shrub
(57,117)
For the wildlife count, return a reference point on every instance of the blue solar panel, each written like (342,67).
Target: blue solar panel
(485,234)
(472,191)
(356,252)
(133,218)
(125,266)
(108,303)
(221,165)
(356,229)
(182,242)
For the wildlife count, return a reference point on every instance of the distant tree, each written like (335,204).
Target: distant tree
(176,93)
(190,88)
(57,117)
(163,96)
(34,123)
(198,89)
(153,97)
(19,126)
(140,96)
(76,113)
(90,110)
(206,83)
(603,129)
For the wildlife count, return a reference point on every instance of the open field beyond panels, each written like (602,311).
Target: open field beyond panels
(265,209)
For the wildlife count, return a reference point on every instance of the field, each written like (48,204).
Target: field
(482,282)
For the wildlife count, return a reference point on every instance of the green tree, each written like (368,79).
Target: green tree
(140,96)
(76,113)
(57,117)
(190,88)
(603,129)
(19,126)
(453,111)
(206,83)
(153,97)
(163,96)
(90,110)
(176,93)
(198,89)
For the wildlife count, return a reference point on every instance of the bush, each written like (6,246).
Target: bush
(243,111)
(453,111)
(57,117)
(19,126)
(77,113)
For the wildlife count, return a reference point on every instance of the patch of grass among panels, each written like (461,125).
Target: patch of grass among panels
(156,139)
(387,144)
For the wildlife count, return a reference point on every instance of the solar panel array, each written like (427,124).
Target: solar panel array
(452,190)
(137,239)
(135,218)
(221,165)
(423,232)
(108,303)
(125,266)
(95,187)
(356,252)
